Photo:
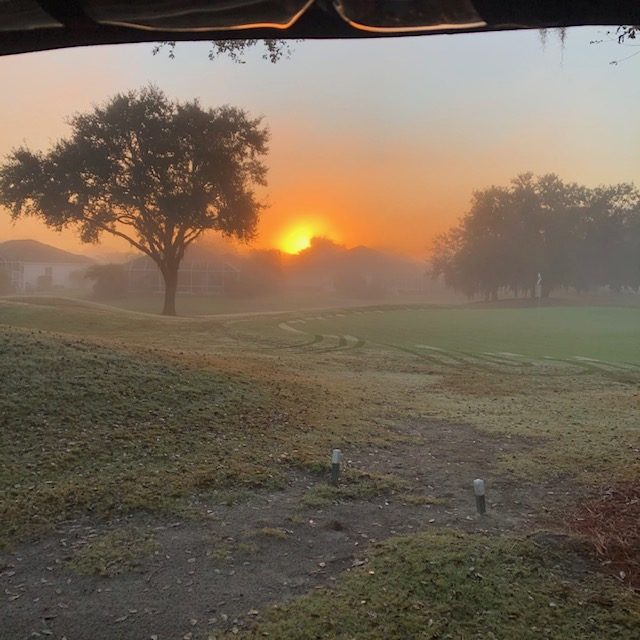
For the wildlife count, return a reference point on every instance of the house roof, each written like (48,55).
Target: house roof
(34,251)
(32,25)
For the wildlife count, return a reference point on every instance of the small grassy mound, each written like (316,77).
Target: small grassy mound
(436,586)
(114,552)
(88,429)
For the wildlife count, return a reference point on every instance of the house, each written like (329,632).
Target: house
(34,266)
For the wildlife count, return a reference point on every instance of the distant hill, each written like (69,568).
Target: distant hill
(34,251)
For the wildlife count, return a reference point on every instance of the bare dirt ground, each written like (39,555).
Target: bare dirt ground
(212,575)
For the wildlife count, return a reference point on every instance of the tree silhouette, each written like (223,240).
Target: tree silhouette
(574,236)
(155,172)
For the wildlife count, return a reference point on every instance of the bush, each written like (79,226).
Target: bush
(110,281)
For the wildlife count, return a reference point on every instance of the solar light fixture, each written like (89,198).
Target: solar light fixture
(478,490)
(336,459)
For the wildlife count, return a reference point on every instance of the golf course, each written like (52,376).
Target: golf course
(169,477)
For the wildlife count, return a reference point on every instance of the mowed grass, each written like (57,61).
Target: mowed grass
(437,586)
(611,334)
(104,413)
(86,429)
(208,305)
(98,430)
(204,305)
(119,413)
(582,412)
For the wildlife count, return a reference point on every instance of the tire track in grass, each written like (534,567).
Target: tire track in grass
(467,359)
(357,343)
(344,342)
(504,360)
(616,366)
(438,356)
(298,345)
(317,338)
(420,354)
(506,363)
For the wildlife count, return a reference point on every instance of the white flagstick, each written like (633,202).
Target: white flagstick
(539,285)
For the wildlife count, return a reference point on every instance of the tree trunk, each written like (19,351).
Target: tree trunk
(170,275)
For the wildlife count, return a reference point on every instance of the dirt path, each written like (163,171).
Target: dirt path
(215,573)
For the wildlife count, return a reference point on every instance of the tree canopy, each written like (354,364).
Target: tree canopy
(155,172)
(570,235)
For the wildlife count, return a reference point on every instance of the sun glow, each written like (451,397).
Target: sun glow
(297,239)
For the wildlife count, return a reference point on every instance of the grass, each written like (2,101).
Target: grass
(148,415)
(420,499)
(353,485)
(115,426)
(227,550)
(610,523)
(104,413)
(579,426)
(207,305)
(114,552)
(230,549)
(607,333)
(196,305)
(450,586)
(275,533)
(579,417)
(91,429)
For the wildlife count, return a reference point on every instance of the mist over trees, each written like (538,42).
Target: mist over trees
(572,235)
(155,172)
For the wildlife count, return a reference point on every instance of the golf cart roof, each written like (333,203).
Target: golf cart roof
(33,25)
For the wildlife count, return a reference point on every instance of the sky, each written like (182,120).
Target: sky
(374,142)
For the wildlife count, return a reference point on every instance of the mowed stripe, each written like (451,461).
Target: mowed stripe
(573,338)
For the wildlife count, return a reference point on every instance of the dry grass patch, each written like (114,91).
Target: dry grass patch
(611,524)
(353,485)
(114,552)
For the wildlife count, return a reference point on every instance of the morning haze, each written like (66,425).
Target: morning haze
(368,139)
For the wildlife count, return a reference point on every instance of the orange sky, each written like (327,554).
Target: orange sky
(377,143)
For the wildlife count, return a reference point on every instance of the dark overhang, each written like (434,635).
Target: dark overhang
(35,25)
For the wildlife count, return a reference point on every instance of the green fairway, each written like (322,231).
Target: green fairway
(610,334)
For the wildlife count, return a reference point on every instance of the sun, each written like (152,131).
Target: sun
(296,240)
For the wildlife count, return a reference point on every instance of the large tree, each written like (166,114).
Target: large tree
(572,235)
(156,172)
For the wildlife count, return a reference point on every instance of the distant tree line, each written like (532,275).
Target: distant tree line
(569,234)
